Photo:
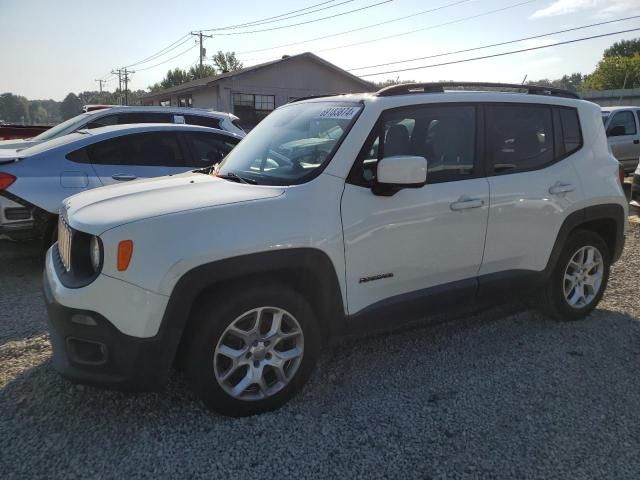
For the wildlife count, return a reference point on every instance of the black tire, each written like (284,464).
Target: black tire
(210,321)
(551,298)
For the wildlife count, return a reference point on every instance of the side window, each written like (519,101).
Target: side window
(519,137)
(143,149)
(208,148)
(103,121)
(203,121)
(144,117)
(444,135)
(623,123)
(568,132)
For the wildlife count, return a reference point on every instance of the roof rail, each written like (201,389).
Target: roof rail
(439,87)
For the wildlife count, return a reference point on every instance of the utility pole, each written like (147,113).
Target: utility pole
(119,73)
(200,36)
(100,82)
(126,84)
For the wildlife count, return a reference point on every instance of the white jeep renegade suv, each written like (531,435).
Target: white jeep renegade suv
(335,212)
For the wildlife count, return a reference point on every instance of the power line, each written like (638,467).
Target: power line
(264,20)
(186,38)
(441,7)
(471,17)
(494,44)
(501,54)
(284,17)
(168,59)
(306,22)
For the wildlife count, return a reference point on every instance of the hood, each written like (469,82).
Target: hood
(98,210)
(16,143)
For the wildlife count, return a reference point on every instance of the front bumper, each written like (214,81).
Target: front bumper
(88,348)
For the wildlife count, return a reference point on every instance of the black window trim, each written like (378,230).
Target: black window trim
(488,159)
(479,165)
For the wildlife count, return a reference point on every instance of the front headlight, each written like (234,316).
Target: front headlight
(95,253)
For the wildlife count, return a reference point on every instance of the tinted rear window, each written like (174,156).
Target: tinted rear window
(202,121)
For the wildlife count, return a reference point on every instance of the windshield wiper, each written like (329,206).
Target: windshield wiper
(236,178)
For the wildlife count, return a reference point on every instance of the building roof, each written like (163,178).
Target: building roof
(207,81)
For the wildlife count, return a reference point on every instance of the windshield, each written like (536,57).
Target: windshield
(290,144)
(64,128)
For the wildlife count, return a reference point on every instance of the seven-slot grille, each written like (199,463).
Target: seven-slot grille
(64,243)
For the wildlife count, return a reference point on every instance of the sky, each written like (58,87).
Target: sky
(51,48)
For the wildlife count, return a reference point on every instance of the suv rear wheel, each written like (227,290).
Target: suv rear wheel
(251,351)
(579,278)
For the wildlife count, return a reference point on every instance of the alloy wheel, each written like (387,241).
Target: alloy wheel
(583,277)
(259,353)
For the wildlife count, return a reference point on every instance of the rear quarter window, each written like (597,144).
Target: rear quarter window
(203,121)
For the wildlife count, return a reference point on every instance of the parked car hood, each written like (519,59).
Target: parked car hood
(98,210)
(16,143)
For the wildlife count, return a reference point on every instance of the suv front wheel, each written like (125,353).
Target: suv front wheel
(579,278)
(251,351)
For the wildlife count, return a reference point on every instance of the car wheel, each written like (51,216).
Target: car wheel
(579,278)
(252,351)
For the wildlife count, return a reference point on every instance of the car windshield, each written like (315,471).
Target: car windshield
(64,128)
(290,144)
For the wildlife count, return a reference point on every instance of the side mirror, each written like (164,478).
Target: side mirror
(398,172)
(616,131)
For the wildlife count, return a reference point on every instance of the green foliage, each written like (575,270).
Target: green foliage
(14,109)
(226,62)
(571,82)
(391,81)
(70,106)
(201,72)
(623,48)
(615,72)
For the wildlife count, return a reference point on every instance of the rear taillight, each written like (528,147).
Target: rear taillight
(620,174)
(6,180)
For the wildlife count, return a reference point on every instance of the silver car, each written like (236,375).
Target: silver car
(126,115)
(35,180)
(623,133)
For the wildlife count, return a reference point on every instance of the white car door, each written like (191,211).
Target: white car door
(400,246)
(532,181)
(139,155)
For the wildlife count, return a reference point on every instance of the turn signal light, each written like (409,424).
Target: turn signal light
(125,252)
(6,180)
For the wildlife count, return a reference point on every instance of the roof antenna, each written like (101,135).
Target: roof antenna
(524,79)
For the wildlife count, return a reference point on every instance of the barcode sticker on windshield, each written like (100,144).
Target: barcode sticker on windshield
(342,113)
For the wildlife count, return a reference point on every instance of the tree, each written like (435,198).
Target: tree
(70,106)
(14,108)
(201,72)
(623,48)
(615,72)
(226,62)
(571,82)
(391,81)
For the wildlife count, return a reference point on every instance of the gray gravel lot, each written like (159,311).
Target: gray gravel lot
(491,396)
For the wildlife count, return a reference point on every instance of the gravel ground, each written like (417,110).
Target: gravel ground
(491,396)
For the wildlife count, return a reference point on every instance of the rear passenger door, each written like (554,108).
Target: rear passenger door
(140,155)
(207,149)
(533,184)
(624,138)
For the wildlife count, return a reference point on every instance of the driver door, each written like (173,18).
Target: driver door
(400,247)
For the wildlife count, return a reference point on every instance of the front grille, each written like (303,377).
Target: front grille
(65,235)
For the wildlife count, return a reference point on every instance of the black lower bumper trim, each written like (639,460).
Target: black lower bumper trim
(100,354)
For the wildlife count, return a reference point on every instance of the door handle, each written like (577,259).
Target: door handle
(560,187)
(465,203)
(124,177)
